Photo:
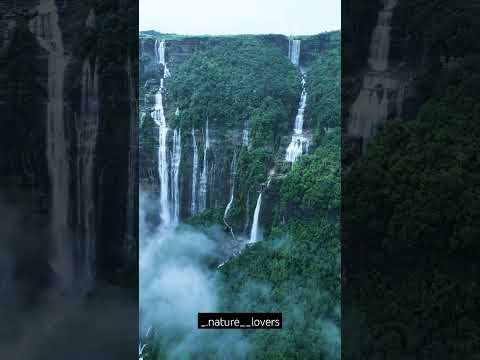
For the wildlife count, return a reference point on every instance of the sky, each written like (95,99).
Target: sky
(218,17)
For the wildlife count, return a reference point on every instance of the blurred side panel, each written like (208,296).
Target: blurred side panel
(410,183)
(68,179)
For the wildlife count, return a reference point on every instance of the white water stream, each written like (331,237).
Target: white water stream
(373,104)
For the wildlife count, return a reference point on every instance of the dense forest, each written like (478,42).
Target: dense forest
(411,202)
(295,269)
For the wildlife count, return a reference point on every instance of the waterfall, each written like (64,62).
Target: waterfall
(254,233)
(159,118)
(299,143)
(204,175)
(371,108)
(254,236)
(294,51)
(160,57)
(193,207)
(168,166)
(46,28)
(87,133)
(87,125)
(380,44)
(175,169)
(168,212)
(233,173)
(229,206)
(245,134)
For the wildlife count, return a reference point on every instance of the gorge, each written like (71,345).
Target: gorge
(234,132)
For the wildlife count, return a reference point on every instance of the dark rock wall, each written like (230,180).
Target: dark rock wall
(23,105)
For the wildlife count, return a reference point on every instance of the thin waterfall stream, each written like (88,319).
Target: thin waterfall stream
(202,202)
(299,143)
(45,26)
(87,133)
(168,171)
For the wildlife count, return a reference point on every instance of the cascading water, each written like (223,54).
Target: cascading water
(202,202)
(294,51)
(380,45)
(87,125)
(254,235)
(233,170)
(159,118)
(371,108)
(160,57)
(254,232)
(87,132)
(46,28)
(299,143)
(169,210)
(175,170)
(193,206)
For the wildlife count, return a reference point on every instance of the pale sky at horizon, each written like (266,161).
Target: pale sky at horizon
(231,17)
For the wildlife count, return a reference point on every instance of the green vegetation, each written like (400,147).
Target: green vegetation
(412,202)
(323,86)
(297,269)
(227,83)
(422,172)
(241,79)
(439,32)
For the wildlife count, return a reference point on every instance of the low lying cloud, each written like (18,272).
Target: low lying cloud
(177,281)
(39,322)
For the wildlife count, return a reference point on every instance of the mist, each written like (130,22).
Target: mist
(178,279)
(38,321)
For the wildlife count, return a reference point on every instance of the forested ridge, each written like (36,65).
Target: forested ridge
(295,269)
(411,203)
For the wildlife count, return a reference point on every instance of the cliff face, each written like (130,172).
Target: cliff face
(384,88)
(314,46)
(49,45)
(180,49)
(225,143)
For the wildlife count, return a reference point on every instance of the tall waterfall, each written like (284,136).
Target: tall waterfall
(159,118)
(87,133)
(294,51)
(254,235)
(380,45)
(160,57)
(202,202)
(175,169)
(193,206)
(299,143)
(372,106)
(46,28)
